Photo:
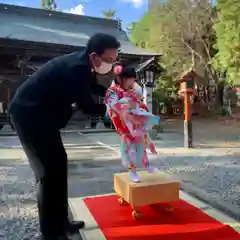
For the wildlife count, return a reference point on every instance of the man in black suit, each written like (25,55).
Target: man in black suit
(42,106)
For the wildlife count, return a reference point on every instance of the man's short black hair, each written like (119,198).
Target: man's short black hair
(99,42)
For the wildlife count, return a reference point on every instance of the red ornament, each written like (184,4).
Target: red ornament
(118,69)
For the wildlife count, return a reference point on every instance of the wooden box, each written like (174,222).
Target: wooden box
(154,188)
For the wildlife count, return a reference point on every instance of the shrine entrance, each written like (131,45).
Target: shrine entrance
(25,49)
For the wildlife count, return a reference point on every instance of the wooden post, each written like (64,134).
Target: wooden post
(188,138)
(187,89)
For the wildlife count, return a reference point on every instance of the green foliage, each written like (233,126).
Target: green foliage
(130,28)
(180,30)
(49,4)
(227,29)
(141,30)
(110,14)
(165,90)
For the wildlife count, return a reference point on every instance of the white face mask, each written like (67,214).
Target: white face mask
(104,68)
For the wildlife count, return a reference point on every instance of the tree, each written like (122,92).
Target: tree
(49,4)
(130,28)
(110,14)
(181,31)
(166,90)
(140,31)
(227,60)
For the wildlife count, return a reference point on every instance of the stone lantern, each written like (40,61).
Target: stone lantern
(147,75)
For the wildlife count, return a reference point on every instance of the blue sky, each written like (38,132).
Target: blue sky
(127,10)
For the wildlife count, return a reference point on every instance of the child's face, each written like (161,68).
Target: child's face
(128,83)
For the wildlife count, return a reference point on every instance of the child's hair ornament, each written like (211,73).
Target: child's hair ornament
(118,69)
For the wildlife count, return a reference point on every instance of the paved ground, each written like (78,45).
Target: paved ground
(211,173)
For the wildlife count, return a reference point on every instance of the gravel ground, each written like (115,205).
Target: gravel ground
(18,218)
(212,178)
(18,204)
(215,173)
(18,209)
(212,174)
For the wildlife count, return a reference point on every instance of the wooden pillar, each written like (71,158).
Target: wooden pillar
(187,89)
(23,70)
(8,94)
(188,135)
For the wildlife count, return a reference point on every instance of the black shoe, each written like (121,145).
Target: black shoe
(74,226)
(44,237)
(63,238)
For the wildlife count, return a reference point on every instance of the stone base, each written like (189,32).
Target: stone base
(153,188)
(188,134)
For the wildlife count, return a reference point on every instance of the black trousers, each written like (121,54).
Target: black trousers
(48,160)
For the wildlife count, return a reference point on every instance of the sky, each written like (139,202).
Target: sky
(127,10)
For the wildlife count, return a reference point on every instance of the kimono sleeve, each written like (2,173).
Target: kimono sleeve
(114,104)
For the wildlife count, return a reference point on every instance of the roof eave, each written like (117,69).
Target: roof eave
(141,56)
(43,44)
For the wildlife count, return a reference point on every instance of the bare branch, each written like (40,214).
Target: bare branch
(205,45)
(200,57)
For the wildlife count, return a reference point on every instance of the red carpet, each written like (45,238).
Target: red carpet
(185,223)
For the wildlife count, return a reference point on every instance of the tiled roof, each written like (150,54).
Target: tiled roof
(37,25)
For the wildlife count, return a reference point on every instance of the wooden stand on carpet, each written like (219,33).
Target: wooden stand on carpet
(154,188)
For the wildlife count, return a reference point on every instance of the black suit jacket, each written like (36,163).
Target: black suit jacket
(44,100)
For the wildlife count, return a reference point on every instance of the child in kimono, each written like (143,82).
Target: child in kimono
(131,119)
